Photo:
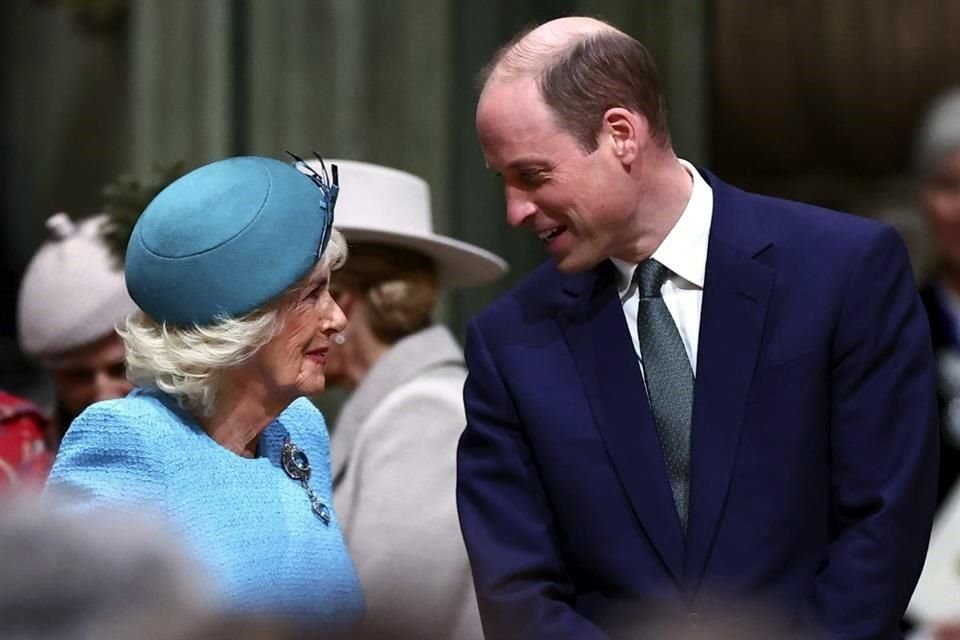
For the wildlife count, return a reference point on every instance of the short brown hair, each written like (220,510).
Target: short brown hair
(580,83)
(601,71)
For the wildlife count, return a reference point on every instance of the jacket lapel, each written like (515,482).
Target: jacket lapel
(737,288)
(596,332)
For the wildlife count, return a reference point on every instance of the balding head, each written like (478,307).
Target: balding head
(529,52)
(582,67)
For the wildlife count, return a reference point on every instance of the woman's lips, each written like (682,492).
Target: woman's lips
(318,355)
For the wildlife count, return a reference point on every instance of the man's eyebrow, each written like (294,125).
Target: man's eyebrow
(529,163)
(522,164)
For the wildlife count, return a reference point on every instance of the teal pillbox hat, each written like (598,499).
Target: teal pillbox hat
(225,239)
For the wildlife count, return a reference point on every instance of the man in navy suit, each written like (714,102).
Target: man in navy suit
(705,396)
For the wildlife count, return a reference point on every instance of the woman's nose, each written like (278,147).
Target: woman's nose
(338,319)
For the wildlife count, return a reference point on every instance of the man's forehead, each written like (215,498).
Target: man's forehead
(502,151)
(513,117)
(498,91)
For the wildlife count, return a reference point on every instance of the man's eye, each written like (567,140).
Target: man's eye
(533,177)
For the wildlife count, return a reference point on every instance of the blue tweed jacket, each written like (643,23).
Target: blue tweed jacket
(245,518)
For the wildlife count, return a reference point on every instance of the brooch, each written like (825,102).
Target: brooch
(297,466)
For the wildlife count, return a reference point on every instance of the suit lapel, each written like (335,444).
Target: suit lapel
(737,288)
(596,333)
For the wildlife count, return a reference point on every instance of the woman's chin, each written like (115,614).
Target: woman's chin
(312,385)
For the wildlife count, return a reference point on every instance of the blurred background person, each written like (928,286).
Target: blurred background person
(71,298)
(230,265)
(115,574)
(937,167)
(937,163)
(24,458)
(103,574)
(394,442)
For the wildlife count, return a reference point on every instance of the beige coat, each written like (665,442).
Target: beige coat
(394,469)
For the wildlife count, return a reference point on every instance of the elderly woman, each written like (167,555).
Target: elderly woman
(394,444)
(230,266)
(71,298)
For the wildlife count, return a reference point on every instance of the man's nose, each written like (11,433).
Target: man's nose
(519,206)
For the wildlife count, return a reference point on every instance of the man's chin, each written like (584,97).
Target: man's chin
(572,264)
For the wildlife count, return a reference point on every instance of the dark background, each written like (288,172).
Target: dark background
(815,100)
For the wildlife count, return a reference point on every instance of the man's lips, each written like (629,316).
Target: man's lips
(547,235)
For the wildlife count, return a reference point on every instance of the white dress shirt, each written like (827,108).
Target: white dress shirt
(684,252)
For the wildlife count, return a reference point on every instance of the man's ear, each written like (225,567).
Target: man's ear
(626,132)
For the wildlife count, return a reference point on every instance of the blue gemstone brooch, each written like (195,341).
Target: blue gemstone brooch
(297,466)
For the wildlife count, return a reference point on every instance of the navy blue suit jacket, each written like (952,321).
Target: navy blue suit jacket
(813,447)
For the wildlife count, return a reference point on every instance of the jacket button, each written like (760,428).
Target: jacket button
(693,618)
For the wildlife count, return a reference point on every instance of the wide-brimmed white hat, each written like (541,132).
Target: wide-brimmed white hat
(389,206)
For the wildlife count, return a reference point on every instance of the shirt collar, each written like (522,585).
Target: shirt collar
(684,250)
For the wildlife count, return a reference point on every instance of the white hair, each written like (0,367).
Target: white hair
(187,362)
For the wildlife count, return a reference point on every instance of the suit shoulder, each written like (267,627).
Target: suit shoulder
(800,221)
(538,284)
(539,294)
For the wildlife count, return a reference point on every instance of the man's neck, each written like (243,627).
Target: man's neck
(661,202)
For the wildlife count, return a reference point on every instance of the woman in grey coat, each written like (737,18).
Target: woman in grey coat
(394,444)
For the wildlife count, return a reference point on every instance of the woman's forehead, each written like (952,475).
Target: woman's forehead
(319,273)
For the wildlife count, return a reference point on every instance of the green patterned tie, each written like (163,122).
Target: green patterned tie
(669,379)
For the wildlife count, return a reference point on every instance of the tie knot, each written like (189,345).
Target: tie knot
(650,276)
